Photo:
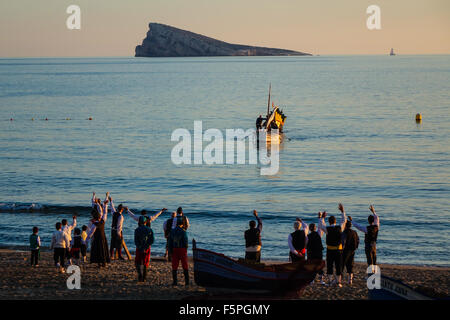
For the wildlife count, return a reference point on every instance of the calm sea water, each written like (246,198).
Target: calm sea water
(350,137)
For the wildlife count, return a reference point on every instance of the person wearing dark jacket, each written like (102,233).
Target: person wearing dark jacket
(253,240)
(177,245)
(334,245)
(143,239)
(297,241)
(314,247)
(350,242)
(370,238)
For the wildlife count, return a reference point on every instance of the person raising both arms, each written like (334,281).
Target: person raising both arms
(148,219)
(334,245)
(370,238)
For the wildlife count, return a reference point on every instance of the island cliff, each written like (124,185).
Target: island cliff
(166,41)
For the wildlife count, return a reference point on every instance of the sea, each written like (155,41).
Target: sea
(350,136)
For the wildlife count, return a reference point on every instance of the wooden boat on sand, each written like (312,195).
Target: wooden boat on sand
(215,270)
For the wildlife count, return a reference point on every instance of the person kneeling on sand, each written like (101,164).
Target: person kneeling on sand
(178,244)
(143,239)
(253,240)
(297,241)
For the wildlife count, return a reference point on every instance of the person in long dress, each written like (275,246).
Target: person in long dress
(99,244)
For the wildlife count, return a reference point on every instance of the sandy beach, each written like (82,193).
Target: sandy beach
(18,280)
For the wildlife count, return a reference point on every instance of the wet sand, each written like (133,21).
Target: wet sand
(18,280)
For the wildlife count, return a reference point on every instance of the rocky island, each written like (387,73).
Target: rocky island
(166,41)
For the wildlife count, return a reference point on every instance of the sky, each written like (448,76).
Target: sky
(30,28)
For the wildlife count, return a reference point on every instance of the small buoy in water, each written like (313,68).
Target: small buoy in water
(67,118)
(11,119)
(32,119)
(418,117)
(46,119)
(90,118)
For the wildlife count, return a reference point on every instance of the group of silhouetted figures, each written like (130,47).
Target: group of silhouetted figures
(306,243)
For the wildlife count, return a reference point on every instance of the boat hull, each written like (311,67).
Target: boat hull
(214,270)
(392,289)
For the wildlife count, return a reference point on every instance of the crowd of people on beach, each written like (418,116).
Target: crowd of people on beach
(305,243)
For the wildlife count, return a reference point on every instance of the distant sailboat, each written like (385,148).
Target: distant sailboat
(392,52)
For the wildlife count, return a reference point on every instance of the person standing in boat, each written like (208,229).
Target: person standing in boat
(298,240)
(370,238)
(116,230)
(314,247)
(334,244)
(259,122)
(350,242)
(253,240)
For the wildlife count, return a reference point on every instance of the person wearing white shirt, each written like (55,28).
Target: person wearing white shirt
(59,243)
(298,240)
(67,229)
(116,230)
(370,238)
(334,244)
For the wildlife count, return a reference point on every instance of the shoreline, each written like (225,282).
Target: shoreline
(22,248)
(117,281)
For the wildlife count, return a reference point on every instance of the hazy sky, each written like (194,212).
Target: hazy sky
(114,27)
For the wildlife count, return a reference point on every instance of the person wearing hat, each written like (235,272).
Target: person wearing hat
(350,242)
(253,240)
(143,239)
(334,244)
(177,245)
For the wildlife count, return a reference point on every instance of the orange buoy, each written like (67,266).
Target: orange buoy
(90,118)
(418,117)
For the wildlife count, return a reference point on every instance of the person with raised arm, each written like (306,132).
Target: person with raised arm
(314,247)
(143,239)
(253,240)
(168,226)
(350,242)
(334,244)
(370,238)
(148,219)
(67,229)
(298,240)
(116,230)
(99,244)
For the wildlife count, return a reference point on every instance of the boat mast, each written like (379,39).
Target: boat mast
(268,102)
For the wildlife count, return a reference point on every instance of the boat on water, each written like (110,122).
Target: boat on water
(392,52)
(275,119)
(395,289)
(216,271)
